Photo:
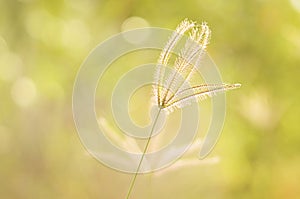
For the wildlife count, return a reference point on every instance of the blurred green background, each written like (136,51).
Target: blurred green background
(42,45)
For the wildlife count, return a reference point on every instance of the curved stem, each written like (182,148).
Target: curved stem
(144,152)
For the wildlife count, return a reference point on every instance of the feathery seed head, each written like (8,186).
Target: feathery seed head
(173,90)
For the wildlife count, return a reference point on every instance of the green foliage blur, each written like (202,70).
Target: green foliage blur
(42,45)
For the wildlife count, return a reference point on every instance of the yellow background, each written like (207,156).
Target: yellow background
(42,45)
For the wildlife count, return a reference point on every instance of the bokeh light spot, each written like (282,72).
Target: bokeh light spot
(134,23)
(43,26)
(75,34)
(296,4)
(24,92)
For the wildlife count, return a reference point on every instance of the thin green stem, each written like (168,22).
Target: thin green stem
(144,152)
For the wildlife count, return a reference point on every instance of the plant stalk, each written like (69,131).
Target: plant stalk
(142,158)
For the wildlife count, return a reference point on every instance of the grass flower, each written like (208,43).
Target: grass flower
(173,89)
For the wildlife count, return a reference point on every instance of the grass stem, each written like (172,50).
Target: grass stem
(144,152)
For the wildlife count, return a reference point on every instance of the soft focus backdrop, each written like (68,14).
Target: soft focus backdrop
(42,45)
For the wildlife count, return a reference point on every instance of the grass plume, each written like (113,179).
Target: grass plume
(173,90)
